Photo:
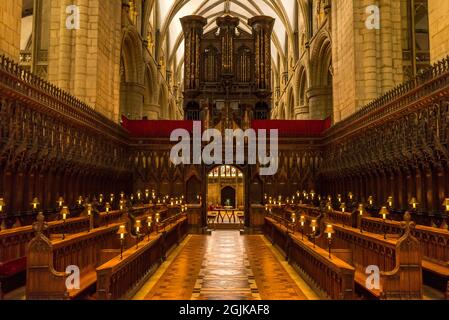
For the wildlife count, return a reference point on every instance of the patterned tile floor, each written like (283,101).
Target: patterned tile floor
(225,266)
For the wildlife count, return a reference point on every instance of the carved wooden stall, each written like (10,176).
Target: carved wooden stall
(121,277)
(398,259)
(52,144)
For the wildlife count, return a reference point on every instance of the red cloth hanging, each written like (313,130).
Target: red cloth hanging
(294,128)
(155,128)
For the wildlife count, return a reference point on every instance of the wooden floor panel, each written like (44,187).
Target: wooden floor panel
(225,266)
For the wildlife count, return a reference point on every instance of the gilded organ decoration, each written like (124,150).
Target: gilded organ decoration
(235,74)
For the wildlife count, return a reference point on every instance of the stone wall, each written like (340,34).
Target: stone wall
(86,61)
(10,25)
(438,29)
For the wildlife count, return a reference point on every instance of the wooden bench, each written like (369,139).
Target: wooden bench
(332,277)
(121,278)
(48,260)
(399,259)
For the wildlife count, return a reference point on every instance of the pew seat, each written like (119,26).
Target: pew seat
(12,275)
(360,279)
(436,268)
(88,279)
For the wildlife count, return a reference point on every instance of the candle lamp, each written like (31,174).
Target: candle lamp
(413,203)
(89,215)
(329,206)
(390,202)
(100,199)
(107,208)
(158,218)
(122,205)
(339,198)
(122,195)
(446,205)
(303,223)
(60,202)
(343,207)
(2,205)
(80,200)
(329,231)
(371,200)
(147,194)
(384,213)
(111,198)
(138,226)
(35,204)
(293,217)
(64,213)
(313,225)
(312,194)
(361,211)
(350,196)
(122,233)
(150,224)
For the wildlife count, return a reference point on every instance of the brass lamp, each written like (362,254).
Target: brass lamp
(64,213)
(350,195)
(343,209)
(100,199)
(35,204)
(390,201)
(384,213)
(150,224)
(131,197)
(293,217)
(313,225)
(111,198)
(122,233)
(302,221)
(138,226)
(122,204)
(2,205)
(60,202)
(446,205)
(158,217)
(89,215)
(154,195)
(147,193)
(80,200)
(361,211)
(339,198)
(139,194)
(371,200)
(107,208)
(413,203)
(329,231)
(312,194)
(122,195)
(329,206)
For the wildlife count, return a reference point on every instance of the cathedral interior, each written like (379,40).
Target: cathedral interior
(224,150)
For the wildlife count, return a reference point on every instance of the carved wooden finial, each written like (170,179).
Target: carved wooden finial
(408,225)
(40,225)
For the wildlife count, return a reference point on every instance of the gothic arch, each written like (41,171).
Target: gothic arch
(321,59)
(131,75)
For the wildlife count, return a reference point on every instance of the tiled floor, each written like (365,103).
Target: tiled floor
(225,266)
